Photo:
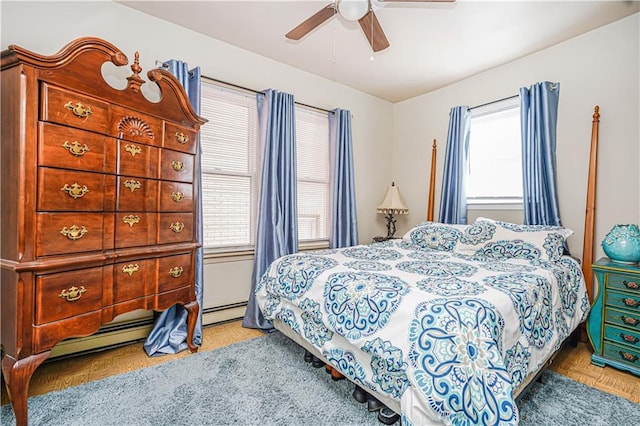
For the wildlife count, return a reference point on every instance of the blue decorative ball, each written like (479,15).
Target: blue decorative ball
(622,244)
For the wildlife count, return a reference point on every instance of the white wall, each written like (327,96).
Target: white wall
(47,26)
(597,68)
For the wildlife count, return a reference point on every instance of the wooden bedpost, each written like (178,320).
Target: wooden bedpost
(590,214)
(432,182)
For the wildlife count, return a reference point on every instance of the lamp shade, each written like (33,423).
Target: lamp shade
(352,10)
(393,202)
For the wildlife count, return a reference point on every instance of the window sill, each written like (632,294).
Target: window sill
(247,253)
(495,205)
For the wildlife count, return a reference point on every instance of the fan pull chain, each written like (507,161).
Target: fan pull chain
(371,11)
(333,36)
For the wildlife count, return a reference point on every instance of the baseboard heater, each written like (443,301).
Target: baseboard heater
(127,332)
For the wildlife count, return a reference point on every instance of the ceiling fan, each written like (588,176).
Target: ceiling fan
(353,10)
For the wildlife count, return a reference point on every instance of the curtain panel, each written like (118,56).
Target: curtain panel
(539,118)
(344,223)
(277,233)
(169,333)
(453,201)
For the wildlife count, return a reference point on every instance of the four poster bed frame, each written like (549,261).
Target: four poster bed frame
(587,259)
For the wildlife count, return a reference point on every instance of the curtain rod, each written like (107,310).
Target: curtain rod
(261,92)
(493,102)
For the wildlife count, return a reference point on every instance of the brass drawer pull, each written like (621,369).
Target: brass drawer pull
(75,191)
(74,293)
(79,110)
(177,227)
(75,148)
(628,356)
(630,320)
(176,271)
(632,303)
(631,285)
(132,149)
(178,166)
(629,338)
(182,138)
(130,268)
(177,196)
(132,184)
(131,220)
(73,232)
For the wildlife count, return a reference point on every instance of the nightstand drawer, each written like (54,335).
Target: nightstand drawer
(621,335)
(614,316)
(623,300)
(624,282)
(622,354)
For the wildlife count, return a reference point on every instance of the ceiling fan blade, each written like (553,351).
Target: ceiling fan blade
(312,23)
(373,31)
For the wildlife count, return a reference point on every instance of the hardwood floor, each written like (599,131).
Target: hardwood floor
(53,375)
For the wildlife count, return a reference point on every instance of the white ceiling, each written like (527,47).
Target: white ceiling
(432,44)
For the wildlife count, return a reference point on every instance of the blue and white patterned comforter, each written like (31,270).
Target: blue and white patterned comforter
(450,336)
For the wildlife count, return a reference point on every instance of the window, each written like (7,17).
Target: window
(230,170)
(495,155)
(312,151)
(230,182)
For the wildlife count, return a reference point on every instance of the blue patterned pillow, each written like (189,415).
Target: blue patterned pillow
(502,240)
(435,236)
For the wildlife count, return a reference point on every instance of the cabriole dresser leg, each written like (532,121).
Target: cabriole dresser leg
(17,375)
(192,316)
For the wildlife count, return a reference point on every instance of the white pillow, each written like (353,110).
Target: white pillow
(435,236)
(502,240)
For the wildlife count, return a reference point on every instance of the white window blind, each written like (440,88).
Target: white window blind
(312,152)
(229,166)
(495,154)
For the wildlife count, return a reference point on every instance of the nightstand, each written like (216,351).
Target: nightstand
(614,322)
(385,238)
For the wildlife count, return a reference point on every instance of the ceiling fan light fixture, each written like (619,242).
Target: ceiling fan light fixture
(352,10)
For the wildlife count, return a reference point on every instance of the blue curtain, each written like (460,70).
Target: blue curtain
(453,201)
(539,116)
(169,333)
(344,223)
(277,211)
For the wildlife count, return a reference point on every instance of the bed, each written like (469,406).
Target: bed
(446,325)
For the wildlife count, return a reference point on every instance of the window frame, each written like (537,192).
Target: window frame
(252,175)
(495,202)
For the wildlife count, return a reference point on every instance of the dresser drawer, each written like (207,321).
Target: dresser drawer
(67,294)
(176,197)
(133,280)
(136,159)
(179,138)
(625,318)
(135,127)
(176,166)
(622,354)
(64,190)
(174,272)
(621,335)
(623,300)
(135,229)
(137,195)
(175,228)
(69,148)
(624,282)
(73,109)
(61,233)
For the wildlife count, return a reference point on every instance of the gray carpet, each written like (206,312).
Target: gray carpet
(265,381)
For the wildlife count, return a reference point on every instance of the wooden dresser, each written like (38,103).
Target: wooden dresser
(614,321)
(97,201)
